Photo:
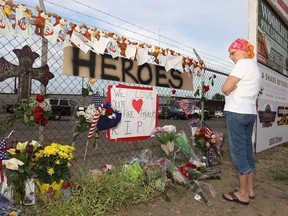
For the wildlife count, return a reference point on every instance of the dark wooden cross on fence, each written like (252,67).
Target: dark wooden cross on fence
(24,71)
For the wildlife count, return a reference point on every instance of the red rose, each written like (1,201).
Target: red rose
(173,91)
(29,148)
(66,185)
(191,165)
(109,111)
(206,138)
(37,110)
(214,76)
(38,117)
(43,121)
(40,98)
(206,88)
(200,136)
(184,171)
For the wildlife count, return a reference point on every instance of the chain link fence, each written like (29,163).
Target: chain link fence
(70,88)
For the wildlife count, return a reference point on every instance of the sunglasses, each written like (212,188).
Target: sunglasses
(232,53)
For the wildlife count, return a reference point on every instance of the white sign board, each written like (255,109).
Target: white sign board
(139,108)
(272,121)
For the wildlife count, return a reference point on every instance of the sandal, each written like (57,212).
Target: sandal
(234,198)
(250,197)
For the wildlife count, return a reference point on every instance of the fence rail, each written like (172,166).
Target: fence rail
(70,87)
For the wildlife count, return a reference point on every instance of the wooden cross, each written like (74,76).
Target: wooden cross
(24,71)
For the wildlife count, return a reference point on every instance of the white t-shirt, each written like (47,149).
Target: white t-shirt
(243,98)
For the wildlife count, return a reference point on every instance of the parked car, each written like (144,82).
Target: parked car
(219,114)
(168,112)
(63,107)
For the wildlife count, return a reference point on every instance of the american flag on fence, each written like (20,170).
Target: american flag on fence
(3,152)
(98,103)
(187,106)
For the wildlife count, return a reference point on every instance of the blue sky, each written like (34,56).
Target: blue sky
(209,26)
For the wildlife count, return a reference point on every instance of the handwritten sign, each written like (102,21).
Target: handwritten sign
(139,110)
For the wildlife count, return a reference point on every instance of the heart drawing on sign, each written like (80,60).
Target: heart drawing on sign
(137,104)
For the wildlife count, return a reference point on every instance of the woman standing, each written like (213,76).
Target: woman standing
(241,89)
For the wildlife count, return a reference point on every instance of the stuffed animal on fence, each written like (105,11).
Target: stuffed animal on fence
(59,20)
(40,20)
(8,7)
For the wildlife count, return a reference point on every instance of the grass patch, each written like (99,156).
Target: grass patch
(280,174)
(102,195)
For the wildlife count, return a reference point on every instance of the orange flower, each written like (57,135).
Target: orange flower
(92,81)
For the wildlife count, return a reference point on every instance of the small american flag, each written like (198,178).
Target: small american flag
(208,129)
(3,152)
(98,103)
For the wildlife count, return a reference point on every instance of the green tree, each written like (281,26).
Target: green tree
(218,96)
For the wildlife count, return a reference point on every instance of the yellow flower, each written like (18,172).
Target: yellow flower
(92,81)
(57,162)
(50,171)
(63,155)
(21,146)
(11,151)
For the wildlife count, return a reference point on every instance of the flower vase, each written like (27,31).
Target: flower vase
(6,190)
(50,191)
(30,198)
(18,192)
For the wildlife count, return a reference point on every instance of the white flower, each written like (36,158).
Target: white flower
(45,105)
(179,177)
(170,128)
(169,147)
(80,113)
(199,164)
(36,144)
(13,163)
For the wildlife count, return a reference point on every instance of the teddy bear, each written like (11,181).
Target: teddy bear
(122,43)
(156,53)
(8,7)
(59,20)
(40,20)
(88,32)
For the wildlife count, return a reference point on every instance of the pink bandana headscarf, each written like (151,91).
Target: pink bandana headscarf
(242,44)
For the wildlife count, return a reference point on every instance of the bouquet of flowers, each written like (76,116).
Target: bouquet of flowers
(18,167)
(33,110)
(208,142)
(175,145)
(52,163)
(108,118)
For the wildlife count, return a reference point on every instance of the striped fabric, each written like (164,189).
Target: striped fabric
(97,101)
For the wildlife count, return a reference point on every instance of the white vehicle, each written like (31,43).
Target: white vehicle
(219,114)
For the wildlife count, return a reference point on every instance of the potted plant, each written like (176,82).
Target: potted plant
(51,166)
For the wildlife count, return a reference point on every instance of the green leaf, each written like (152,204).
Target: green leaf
(89,88)
(85,92)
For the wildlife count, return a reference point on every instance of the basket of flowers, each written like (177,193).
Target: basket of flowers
(51,166)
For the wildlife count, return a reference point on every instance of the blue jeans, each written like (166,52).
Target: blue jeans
(240,129)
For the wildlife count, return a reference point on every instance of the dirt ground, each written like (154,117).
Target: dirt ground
(271,196)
